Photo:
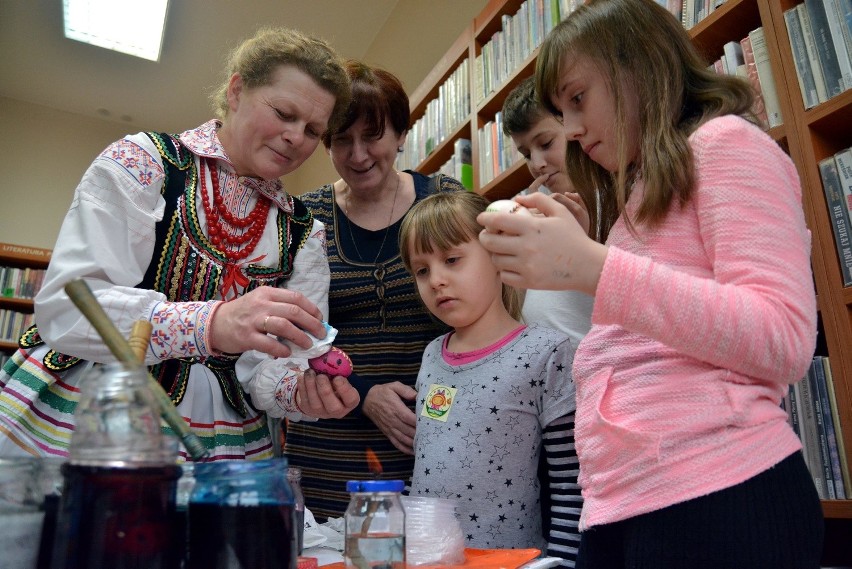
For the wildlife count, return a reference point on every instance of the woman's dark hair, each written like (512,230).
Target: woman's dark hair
(378,97)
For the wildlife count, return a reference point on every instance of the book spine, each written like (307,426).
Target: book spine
(839,215)
(837,27)
(830,432)
(825,47)
(764,72)
(793,412)
(751,73)
(822,429)
(838,429)
(810,438)
(844,170)
(813,56)
(804,73)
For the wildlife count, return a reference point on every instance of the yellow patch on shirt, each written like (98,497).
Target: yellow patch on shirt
(439,401)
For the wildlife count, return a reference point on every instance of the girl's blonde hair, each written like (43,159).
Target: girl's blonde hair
(639,46)
(257,58)
(442,221)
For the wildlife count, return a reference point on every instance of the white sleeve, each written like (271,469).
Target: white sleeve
(270,382)
(107,238)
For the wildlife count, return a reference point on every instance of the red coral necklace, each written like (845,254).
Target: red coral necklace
(221,226)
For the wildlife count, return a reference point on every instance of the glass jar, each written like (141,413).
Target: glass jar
(20,515)
(294,477)
(117,508)
(375,525)
(241,516)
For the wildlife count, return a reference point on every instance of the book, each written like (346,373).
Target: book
(804,71)
(791,406)
(751,73)
(810,434)
(813,56)
(843,159)
(464,165)
(825,47)
(822,429)
(764,73)
(839,215)
(837,28)
(732,57)
(838,429)
(831,448)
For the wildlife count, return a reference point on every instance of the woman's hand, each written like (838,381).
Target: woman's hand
(254,320)
(322,397)
(550,251)
(385,406)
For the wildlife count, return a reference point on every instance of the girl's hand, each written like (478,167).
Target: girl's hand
(257,319)
(577,206)
(550,251)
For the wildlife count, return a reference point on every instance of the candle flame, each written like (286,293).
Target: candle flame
(373,462)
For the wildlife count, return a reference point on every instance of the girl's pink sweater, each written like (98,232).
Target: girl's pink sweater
(699,326)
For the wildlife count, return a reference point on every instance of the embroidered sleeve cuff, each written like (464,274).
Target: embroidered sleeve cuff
(181,329)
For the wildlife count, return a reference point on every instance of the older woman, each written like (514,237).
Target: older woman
(166,229)
(373,301)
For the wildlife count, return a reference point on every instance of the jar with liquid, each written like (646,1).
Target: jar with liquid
(375,525)
(117,508)
(241,516)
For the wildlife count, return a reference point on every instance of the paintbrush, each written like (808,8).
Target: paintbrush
(82,297)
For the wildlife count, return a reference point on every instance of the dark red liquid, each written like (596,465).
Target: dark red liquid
(258,537)
(117,518)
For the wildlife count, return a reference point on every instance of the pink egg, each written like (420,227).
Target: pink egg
(333,362)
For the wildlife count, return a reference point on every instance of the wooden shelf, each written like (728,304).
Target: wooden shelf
(19,304)
(837,509)
(22,257)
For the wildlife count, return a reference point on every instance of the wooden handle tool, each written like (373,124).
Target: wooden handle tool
(82,297)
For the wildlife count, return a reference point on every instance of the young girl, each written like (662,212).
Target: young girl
(702,317)
(490,390)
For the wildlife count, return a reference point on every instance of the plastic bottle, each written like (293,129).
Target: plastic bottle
(294,477)
(375,525)
(241,516)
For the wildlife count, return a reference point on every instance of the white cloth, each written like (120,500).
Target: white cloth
(569,311)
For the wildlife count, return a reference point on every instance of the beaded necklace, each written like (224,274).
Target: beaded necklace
(222,227)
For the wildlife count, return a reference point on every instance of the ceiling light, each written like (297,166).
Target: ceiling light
(134,27)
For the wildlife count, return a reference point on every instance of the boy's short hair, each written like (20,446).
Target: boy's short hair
(522,108)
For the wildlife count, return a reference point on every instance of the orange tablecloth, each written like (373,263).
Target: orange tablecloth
(481,559)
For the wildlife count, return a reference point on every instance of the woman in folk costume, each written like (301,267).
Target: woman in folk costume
(195,233)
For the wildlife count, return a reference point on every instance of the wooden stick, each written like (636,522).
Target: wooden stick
(140,335)
(82,297)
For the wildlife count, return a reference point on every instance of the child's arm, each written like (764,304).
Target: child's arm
(561,484)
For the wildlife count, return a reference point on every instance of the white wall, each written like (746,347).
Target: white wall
(44,152)
(43,155)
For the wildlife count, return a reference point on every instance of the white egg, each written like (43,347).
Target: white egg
(507,206)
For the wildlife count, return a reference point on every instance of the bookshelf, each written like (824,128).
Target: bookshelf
(20,257)
(808,135)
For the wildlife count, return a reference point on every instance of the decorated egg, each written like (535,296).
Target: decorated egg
(333,362)
(507,206)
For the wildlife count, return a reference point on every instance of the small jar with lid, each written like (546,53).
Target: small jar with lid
(375,525)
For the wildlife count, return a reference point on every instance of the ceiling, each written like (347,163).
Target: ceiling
(39,65)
